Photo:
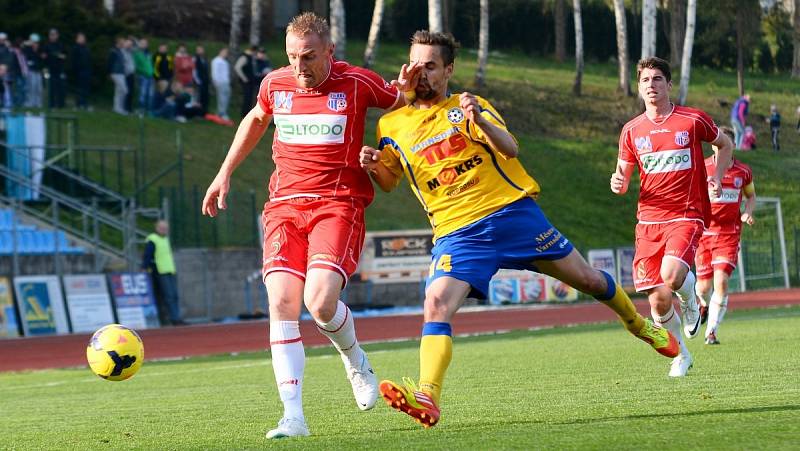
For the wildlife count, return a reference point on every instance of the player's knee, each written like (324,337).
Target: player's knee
(437,308)
(321,311)
(673,281)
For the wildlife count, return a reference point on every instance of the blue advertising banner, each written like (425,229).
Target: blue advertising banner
(41,305)
(134,300)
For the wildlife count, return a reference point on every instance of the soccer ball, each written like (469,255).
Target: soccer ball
(115,352)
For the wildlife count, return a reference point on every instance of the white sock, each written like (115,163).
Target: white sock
(288,363)
(672,322)
(341,331)
(686,292)
(716,310)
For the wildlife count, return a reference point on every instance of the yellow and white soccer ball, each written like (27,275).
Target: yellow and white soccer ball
(115,352)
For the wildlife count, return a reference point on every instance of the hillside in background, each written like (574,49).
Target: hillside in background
(568,144)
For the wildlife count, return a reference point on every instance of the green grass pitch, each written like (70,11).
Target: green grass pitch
(591,387)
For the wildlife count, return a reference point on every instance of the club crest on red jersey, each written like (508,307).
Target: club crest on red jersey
(682,138)
(283,101)
(737,182)
(337,101)
(643,144)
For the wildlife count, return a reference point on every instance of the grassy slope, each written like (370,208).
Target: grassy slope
(575,388)
(569,144)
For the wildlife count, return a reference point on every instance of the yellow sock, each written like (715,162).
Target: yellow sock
(435,353)
(618,301)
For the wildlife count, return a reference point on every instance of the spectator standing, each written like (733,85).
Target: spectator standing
(5,50)
(158,260)
(739,118)
(6,59)
(116,69)
(54,61)
(775,127)
(163,68)
(184,66)
(5,89)
(130,72)
(263,65)
(201,77)
(221,76)
(245,69)
(143,62)
(17,72)
(81,59)
(33,81)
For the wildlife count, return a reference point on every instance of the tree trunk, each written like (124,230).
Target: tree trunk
(796,38)
(338,34)
(648,28)
(739,51)
(237,13)
(483,44)
(560,30)
(374,32)
(622,47)
(677,32)
(576,87)
(435,16)
(686,57)
(255,22)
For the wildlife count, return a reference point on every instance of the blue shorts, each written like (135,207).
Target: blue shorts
(513,237)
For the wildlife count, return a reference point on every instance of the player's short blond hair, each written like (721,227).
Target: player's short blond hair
(307,23)
(726,130)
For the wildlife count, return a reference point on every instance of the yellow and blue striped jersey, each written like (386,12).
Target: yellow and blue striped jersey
(453,171)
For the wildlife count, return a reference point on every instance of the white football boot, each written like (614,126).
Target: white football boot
(680,365)
(289,427)
(365,385)
(690,316)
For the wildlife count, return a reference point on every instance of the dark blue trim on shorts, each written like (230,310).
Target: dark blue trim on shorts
(437,328)
(611,290)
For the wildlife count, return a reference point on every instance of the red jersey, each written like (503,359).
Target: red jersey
(319,131)
(669,154)
(725,214)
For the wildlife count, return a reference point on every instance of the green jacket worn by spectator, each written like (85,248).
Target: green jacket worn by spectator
(143,63)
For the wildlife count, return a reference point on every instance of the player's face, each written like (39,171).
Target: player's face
(653,86)
(434,74)
(310,58)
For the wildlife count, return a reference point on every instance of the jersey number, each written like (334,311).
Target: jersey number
(443,263)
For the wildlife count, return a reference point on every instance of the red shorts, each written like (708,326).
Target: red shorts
(654,242)
(717,253)
(304,233)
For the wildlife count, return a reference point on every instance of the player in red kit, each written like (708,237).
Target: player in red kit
(314,219)
(718,252)
(665,143)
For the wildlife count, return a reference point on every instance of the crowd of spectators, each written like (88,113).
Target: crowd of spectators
(163,84)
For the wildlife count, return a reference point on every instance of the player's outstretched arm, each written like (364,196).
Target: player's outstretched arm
(723,148)
(498,138)
(406,83)
(621,177)
(370,159)
(250,131)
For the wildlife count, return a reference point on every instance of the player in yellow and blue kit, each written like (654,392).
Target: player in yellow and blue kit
(460,161)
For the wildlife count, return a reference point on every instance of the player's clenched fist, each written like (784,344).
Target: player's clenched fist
(369,158)
(472,109)
(617,183)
